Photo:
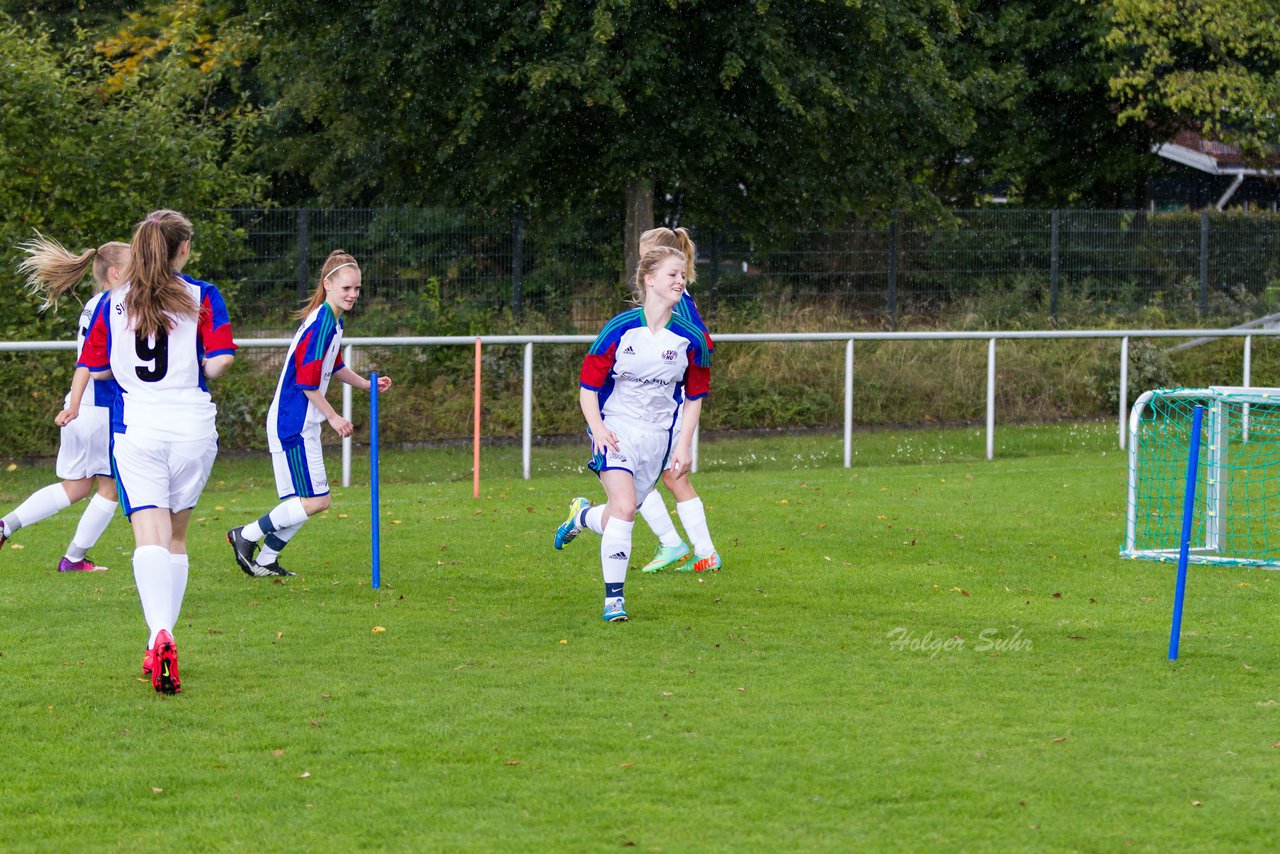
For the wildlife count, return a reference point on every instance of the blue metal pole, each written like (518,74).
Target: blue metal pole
(373,477)
(1184,546)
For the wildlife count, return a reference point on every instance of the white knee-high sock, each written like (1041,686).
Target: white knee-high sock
(694,518)
(615,552)
(153,573)
(286,514)
(180,567)
(593,518)
(42,504)
(654,510)
(93,521)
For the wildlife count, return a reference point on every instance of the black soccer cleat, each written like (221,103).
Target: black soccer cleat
(243,549)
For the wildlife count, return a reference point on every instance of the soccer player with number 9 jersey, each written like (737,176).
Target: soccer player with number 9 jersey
(160,336)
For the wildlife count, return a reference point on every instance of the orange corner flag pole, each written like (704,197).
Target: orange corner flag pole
(475,442)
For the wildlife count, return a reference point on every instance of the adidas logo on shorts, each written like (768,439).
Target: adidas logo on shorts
(618,556)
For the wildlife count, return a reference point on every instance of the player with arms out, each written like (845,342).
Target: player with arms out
(161,335)
(642,366)
(84,449)
(672,550)
(298,410)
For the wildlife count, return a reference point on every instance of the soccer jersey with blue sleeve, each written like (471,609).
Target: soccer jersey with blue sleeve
(163,395)
(643,376)
(314,355)
(98,393)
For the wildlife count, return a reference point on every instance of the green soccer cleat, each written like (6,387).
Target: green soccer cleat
(570,527)
(665,556)
(710,563)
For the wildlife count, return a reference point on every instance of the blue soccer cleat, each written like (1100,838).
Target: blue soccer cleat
(571,527)
(615,611)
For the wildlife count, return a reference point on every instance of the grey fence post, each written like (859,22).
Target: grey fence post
(893,270)
(714,273)
(1204,262)
(526,412)
(347,355)
(1053,265)
(991,399)
(517,264)
(304,224)
(848,403)
(1124,389)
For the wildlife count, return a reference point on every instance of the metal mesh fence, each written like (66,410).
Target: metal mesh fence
(432,266)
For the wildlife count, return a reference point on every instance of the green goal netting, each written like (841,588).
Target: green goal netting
(1237,486)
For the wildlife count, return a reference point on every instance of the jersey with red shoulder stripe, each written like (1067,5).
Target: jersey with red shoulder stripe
(644,376)
(162,387)
(313,357)
(98,393)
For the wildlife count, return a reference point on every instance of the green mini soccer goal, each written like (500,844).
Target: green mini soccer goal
(1237,483)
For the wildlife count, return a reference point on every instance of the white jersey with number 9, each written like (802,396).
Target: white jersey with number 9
(163,392)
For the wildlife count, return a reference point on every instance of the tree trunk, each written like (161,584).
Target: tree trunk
(639,219)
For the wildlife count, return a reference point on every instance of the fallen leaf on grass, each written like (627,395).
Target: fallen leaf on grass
(627,765)
(304,775)
(1196,803)
(377,630)
(564,641)
(278,752)
(156,790)
(17,547)
(1060,739)
(512,762)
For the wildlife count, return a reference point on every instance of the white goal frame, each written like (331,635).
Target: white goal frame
(1207,550)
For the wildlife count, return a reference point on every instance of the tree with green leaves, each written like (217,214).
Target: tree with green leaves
(83,161)
(747,112)
(1213,65)
(1038,78)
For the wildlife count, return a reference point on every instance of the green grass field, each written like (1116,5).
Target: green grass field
(928,651)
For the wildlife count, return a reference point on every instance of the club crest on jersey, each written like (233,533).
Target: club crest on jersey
(668,355)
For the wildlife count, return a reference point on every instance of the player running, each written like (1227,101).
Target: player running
(161,335)
(642,366)
(297,410)
(84,448)
(672,550)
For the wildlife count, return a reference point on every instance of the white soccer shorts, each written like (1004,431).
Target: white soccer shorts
(641,451)
(84,449)
(170,475)
(299,468)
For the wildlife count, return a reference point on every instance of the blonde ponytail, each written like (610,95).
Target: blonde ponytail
(156,294)
(50,269)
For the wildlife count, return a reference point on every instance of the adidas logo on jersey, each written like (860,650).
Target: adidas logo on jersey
(630,351)
(618,556)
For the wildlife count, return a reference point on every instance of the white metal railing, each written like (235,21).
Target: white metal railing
(528,341)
